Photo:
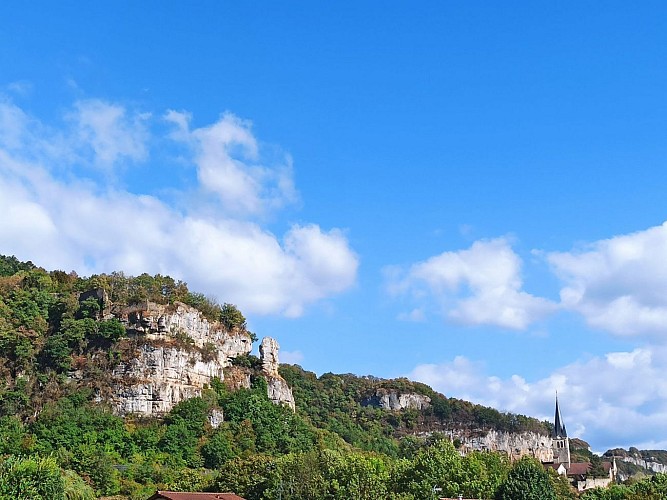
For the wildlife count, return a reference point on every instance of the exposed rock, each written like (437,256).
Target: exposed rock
(184,351)
(278,390)
(237,377)
(393,400)
(156,322)
(268,353)
(647,464)
(162,376)
(515,445)
(215,418)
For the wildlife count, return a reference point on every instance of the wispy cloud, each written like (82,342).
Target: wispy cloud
(291,357)
(110,132)
(227,158)
(92,227)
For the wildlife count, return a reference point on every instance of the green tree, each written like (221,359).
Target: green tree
(218,449)
(231,317)
(249,477)
(31,478)
(528,480)
(437,466)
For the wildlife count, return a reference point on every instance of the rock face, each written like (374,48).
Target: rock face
(160,377)
(159,322)
(181,352)
(646,464)
(277,388)
(515,445)
(393,400)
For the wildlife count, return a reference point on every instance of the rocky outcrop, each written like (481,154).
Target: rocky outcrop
(159,322)
(393,400)
(646,464)
(161,376)
(514,445)
(268,353)
(181,351)
(278,390)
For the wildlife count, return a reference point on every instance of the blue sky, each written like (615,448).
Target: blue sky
(468,194)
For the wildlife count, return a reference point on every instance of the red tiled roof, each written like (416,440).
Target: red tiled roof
(578,469)
(183,495)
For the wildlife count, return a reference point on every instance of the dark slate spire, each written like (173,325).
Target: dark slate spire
(559,426)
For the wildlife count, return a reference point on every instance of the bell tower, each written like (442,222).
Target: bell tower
(559,440)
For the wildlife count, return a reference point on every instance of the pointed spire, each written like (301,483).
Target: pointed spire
(559,426)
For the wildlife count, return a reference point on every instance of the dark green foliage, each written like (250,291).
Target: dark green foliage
(231,317)
(76,488)
(528,480)
(218,449)
(11,265)
(248,477)
(71,423)
(247,361)
(274,427)
(208,307)
(14,439)
(650,488)
(89,308)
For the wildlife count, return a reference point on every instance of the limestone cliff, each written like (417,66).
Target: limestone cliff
(514,445)
(394,400)
(633,461)
(177,353)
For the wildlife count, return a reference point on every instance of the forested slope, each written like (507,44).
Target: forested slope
(60,439)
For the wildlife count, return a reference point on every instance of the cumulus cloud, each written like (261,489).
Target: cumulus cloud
(476,286)
(618,284)
(90,227)
(618,399)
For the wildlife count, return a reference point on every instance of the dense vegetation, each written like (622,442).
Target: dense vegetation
(58,439)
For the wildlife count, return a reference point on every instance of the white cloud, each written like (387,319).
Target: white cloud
(291,357)
(91,227)
(618,284)
(619,399)
(417,315)
(476,286)
(110,131)
(227,159)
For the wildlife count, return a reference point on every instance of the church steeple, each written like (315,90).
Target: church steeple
(559,426)
(560,443)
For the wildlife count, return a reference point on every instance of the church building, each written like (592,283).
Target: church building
(577,472)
